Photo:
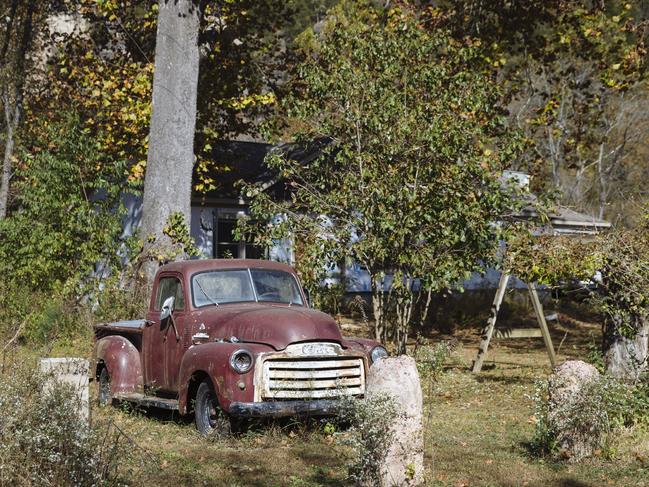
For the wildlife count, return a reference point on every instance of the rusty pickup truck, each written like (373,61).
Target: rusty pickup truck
(230,339)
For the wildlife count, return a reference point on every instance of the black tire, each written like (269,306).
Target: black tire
(104,395)
(210,419)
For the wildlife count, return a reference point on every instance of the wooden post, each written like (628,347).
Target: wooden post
(538,309)
(491,323)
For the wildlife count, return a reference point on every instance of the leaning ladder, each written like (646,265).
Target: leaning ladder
(488,331)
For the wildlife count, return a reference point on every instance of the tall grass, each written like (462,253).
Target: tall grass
(45,442)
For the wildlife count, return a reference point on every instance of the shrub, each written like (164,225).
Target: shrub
(432,358)
(602,406)
(44,442)
(36,318)
(67,216)
(120,297)
(370,434)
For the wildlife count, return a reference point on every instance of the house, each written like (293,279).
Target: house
(214,214)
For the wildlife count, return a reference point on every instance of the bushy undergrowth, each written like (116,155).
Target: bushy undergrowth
(602,406)
(44,442)
(370,431)
(44,319)
(432,358)
(36,318)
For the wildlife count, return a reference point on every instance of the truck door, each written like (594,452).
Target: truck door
(163,340)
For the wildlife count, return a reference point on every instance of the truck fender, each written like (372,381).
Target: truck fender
(122,360)
(211,360)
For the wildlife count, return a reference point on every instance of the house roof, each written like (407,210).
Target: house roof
(235,161)
(238,161)
(243,161)
(565,221)
(559,220)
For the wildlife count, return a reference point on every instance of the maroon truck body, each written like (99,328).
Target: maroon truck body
(300,363)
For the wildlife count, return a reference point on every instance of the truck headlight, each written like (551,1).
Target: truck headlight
(241,361)
(378,353)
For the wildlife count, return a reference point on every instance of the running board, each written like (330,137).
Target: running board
(149,401)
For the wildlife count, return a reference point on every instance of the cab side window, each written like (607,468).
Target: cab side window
(167,287)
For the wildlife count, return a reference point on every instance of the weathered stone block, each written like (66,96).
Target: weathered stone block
(568,407)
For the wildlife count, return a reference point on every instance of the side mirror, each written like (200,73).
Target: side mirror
(167,308)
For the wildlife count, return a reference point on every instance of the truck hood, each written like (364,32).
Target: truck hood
(271,324)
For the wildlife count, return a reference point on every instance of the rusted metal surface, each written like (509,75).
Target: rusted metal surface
(212,360)
(130,326)
(277,325)
(122,360)
(298,353)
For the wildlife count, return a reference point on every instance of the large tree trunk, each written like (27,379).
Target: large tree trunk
(168,180)
(626,358)
(13,91)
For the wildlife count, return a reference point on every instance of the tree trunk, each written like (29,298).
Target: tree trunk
(11,120)
(13,92)
(168,180)
(377,307)
(626,358)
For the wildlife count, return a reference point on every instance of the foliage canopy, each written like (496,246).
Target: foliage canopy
(409,150)
(68,219)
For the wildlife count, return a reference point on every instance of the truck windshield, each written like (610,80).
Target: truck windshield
(241,285)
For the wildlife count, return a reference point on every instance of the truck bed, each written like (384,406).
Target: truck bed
(129,329)
(129,326)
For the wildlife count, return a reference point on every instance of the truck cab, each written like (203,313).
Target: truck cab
(230,338)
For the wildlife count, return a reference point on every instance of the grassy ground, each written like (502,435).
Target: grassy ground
(480,429)
(478,432)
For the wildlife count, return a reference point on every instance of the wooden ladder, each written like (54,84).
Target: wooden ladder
(488,331)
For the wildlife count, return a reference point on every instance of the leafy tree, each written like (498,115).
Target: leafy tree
(622,298)
(410,148)
(105,69)
(17,33)
(68,219)
(575,77)
(584,104)
(617,264)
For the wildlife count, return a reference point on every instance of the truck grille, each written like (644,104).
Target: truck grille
(313,378)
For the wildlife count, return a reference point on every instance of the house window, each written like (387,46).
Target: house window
(225,244)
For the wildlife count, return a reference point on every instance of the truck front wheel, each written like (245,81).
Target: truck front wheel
(210,419)
(105,397)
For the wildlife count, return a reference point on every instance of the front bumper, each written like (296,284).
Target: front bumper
(278,409)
